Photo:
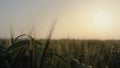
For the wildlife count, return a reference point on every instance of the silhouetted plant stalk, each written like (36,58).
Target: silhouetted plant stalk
(11,34)
(47,43)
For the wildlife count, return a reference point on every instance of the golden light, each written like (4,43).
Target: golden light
(103,20)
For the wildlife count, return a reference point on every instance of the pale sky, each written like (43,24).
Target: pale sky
(79,19)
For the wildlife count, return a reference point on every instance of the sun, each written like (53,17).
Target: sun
(103,20)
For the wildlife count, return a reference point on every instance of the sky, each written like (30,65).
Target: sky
(77,19)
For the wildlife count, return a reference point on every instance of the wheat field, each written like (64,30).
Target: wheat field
(64,53)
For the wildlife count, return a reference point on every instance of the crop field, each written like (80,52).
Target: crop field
(64,53)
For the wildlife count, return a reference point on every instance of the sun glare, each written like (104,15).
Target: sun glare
(103,20)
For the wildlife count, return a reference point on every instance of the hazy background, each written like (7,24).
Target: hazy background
(75,18)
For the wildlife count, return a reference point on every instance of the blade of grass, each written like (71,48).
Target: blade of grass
(31,38)
(59,57)
(47,43)
(17,45)
(11,34)
(18,57)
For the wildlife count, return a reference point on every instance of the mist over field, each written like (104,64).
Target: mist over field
(79,19)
